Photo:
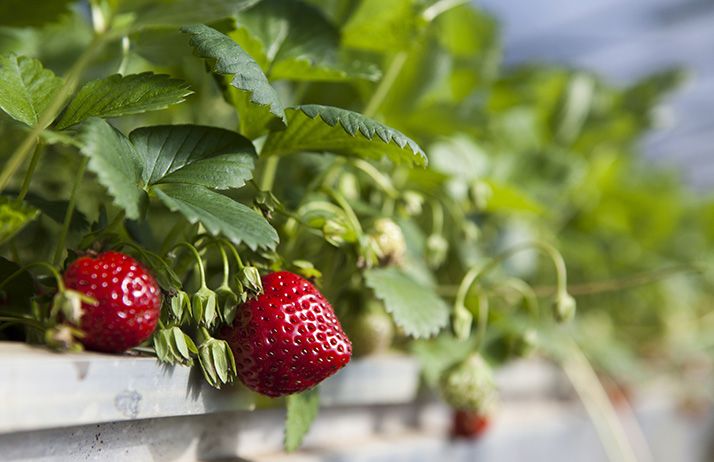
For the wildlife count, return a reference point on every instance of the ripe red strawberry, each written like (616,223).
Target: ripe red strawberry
(128,301)
(469,424)
(287,339)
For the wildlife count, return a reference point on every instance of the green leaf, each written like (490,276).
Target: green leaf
(508,198)
(295,41)
(227,58)
(323,128)
(382,25)
(194,154)
(415,307)
(22,287)
(26,88)
(218,214)
(117,164)
(21,13)
(56,210)
(14,216)
(179,12)
(119,95)
(438,354)
(301,412)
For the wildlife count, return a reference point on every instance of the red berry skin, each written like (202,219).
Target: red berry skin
(288,339)
(128,301)
(469,424)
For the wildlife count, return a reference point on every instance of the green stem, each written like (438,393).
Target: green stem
(437,217)
(53,109)
(604,417)
(25,321)
(476,272)
(30,171)
(125,48)
(59,250)
(385,85)
(378,177)
(270,168)
(345,205)
(226,265)
(39,264)
(483,307)
(527,292)
(199,261)
(234,251)
(634,280)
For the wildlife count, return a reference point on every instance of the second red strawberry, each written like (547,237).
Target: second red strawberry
(288,339)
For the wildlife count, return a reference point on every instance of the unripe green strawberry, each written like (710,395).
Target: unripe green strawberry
(371,330)
(469,385)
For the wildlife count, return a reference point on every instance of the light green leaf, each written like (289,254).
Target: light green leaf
(508,198)
(415,307)
(382,25)
(117,165)
(302,410)
(295,41)
(323,128)
(118,95)
(227,58)
(218,214)
(194,154)
(21,13)
(26,88)
(14,216)
(179,12)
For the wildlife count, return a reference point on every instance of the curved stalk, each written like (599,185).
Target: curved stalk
(594,398)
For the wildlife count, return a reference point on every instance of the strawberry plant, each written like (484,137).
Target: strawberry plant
(223,183)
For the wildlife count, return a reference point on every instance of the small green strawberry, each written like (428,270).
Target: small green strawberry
(469,385)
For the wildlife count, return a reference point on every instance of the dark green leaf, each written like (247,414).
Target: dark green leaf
(21,288)
(57,210)
(218,214)
(227,58)
(295,41)
(119,95)
(382,25)
(117,165)
(194,154)
(415,307)
(323,128)
(21,13)
(301,412)
(26,88)
(179,12)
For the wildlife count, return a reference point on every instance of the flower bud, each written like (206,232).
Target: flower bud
(437,248)
(388,240)
(564,307)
